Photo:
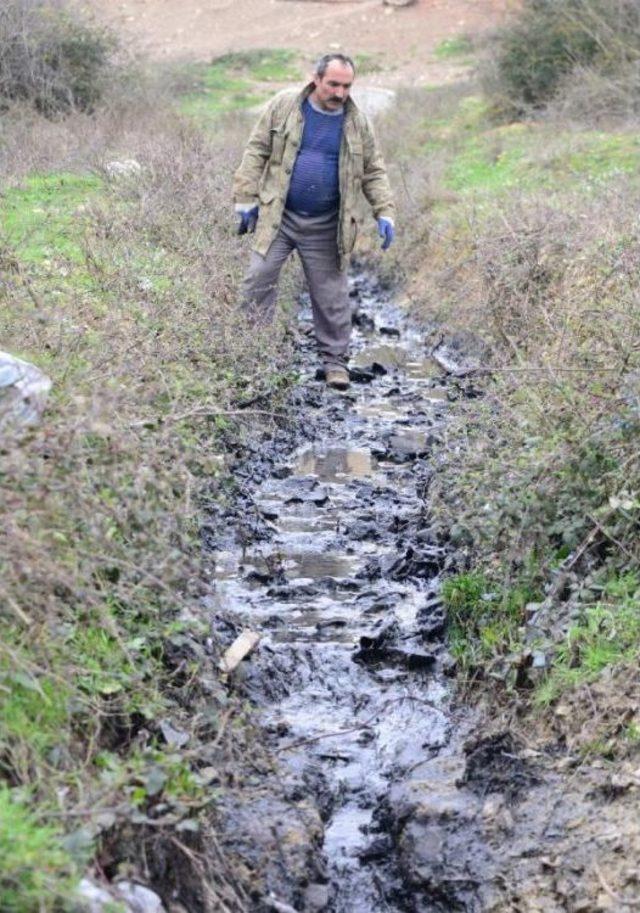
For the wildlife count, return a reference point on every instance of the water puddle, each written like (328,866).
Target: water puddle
(336,464)
(422,369)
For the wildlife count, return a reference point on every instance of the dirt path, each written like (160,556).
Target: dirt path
(200,29)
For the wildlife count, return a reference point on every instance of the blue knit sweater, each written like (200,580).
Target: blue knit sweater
(315,187)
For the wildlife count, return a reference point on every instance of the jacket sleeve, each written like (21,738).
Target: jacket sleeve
(246,181)
(375,181)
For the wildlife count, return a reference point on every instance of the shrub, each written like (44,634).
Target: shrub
(51,57)
(547,39)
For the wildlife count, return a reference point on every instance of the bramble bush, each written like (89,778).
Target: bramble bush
(52,56)
(547,40)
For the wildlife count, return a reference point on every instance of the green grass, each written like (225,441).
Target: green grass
(261,65)
(41,219)
(607,635)
(450,48)
(368,63)
(236,81)
(490,161)
(36,872)
(34,708)
(124,302)
(484,618)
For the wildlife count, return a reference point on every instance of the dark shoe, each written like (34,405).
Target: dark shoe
(337,378)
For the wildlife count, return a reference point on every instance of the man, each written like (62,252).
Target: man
(298,185)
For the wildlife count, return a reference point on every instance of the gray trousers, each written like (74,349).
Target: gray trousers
(315,239)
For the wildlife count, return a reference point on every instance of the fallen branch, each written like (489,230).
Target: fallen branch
(365,725)
(204,413)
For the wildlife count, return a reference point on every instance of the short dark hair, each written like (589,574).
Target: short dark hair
(325,60)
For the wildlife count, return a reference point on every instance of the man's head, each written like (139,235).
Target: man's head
(333,78)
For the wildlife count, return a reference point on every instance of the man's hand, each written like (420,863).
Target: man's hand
(386,232)
(248,221)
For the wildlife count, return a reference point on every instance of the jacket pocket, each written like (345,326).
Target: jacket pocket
(356,154)
(277,145)
(266,196)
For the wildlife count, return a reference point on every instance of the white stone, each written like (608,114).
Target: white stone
(133,897)
(373,100)
(23,392)
(138,898)
(93,897)
(127,168)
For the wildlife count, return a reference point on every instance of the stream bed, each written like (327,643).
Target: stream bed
(340,573)
(331,554)
(388,797)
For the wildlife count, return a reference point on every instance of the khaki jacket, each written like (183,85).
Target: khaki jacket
(264,174)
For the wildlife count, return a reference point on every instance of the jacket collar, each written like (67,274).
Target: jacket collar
(350,106)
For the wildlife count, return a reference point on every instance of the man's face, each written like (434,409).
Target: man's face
(332,89)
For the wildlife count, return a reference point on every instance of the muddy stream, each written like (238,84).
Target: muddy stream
(333,560)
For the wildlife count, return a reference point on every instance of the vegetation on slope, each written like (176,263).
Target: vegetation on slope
(116,734)
(525,235)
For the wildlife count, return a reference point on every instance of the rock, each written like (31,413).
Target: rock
(23,392)
(378,849)
(363,321)
(279,906)
(173,736)
(138,898)
(360,375)
(316,898)
(375,650)
(374,100)
(495,766)
(431,618)
(127,168)
(95,898)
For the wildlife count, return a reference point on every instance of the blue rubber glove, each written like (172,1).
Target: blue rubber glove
(386,232)
(248,221)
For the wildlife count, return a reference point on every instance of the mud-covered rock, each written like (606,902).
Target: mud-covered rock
(435,826)
(276,843)
(494,765)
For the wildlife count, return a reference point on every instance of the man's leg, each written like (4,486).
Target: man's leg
(260,285)
(317,243)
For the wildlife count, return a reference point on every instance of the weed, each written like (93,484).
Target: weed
(126,294)
(261,64)
(607,635)
(234,81)
(368,63)
(485,618)
(458,46)
(35,873)
(531,236)
(40,219)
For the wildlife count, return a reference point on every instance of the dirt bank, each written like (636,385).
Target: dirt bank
(400,40)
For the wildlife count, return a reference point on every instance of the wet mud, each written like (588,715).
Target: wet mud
(332,559)
(389,797)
